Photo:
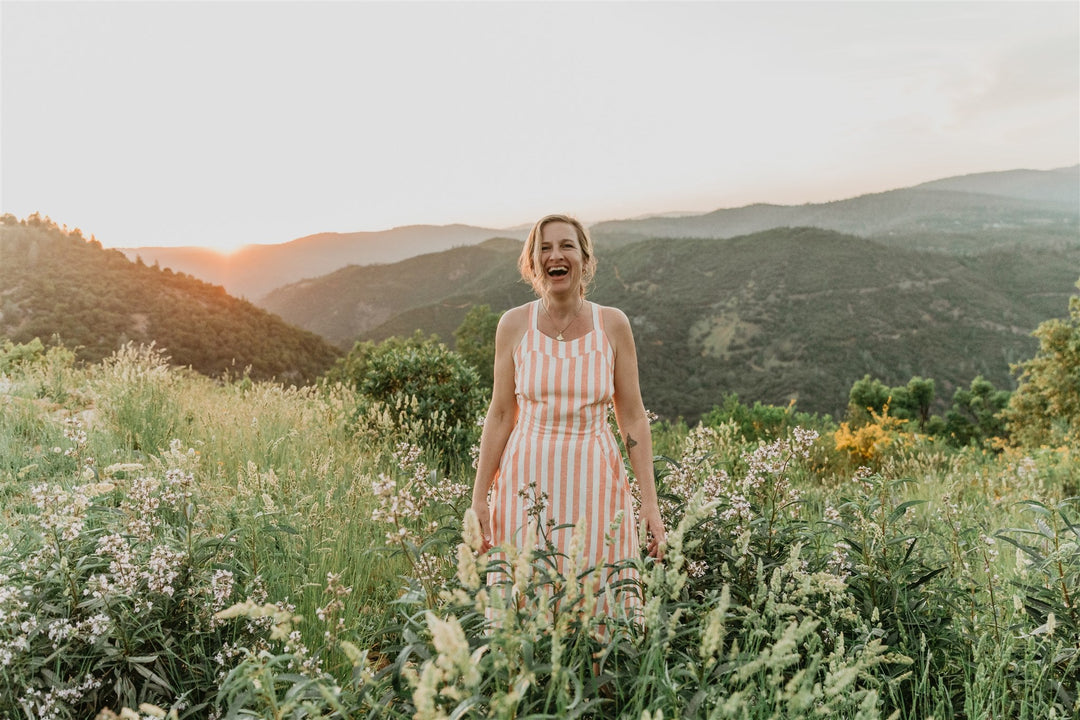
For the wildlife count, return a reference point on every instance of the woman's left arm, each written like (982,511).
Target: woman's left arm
(634,425)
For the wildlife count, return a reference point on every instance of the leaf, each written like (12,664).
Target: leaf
(902,508)
(463,707)
(1072,527)
(1036,507)
(910,549)
(926,578)
(1035,554)
(153,677)
(1044,529)
(142,658)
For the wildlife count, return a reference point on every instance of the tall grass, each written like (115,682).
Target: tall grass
(238,549)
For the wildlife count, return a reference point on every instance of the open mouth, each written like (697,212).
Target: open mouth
(558,272)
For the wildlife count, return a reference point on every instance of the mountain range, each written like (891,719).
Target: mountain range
(947,280)
(254,270)
(970,213)
(776,303)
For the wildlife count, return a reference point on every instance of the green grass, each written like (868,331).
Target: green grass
(937,583)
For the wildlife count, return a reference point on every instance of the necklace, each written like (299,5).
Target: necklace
(558,335)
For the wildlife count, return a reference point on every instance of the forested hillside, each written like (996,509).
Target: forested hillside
(356,300)
(58,283)
(773,316)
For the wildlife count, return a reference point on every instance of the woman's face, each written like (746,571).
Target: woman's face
(559,258)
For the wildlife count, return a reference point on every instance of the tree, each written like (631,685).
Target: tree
(475,341)
(867,396)
(920,395)
(1045,409)
(912,402)
(975,414)
(432,395)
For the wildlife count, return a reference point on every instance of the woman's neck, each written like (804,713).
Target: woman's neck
(562,304)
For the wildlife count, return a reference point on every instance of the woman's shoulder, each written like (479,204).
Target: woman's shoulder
(516,315)
(614,319)
(513,324)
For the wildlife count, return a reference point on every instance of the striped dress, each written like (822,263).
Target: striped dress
(561,461)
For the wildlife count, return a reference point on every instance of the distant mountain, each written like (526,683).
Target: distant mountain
(789,313)
(58,283)
(255,270)
(353,301)
(1058,187)
(972,213)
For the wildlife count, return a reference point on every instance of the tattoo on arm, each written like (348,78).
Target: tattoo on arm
(630,442)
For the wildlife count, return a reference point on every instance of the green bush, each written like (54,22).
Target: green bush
(1045,409)
(761,420)
(426,395)
(108,592)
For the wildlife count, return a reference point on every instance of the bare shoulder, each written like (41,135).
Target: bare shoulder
(615,321)
(618,330)
(512,325)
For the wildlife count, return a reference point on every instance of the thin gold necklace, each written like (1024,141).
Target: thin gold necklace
(558,335)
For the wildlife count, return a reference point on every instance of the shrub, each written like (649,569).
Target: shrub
(134,389)
(1045,409)
(426,394)
(108,594)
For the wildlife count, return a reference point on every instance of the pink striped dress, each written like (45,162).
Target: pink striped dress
(561,458)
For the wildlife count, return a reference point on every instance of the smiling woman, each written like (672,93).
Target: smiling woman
(548,460)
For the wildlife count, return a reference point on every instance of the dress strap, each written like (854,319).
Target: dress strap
(597,317)
(535,315)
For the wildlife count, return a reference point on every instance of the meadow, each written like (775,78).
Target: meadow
(176,546)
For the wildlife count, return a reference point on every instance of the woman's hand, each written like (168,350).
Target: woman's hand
(654,528)
(483,516)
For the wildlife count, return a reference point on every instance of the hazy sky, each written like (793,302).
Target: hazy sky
(221,124)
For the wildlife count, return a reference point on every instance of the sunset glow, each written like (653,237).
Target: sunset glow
(225,124)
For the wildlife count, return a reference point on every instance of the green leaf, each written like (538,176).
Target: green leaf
(926,578)
(902,508)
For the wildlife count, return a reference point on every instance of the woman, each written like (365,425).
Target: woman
(546,449)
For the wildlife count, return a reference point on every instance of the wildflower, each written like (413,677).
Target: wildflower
(471,531)
(94,627)
(712,637)
(839,562)
(359,659)
(221,587)
(467,573)
(522,566)
(163,568)
(116,468)
(281,620)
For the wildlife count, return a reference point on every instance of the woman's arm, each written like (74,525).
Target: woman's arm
(500,418)
(634,425)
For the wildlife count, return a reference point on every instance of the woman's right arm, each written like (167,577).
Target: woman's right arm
(500,419)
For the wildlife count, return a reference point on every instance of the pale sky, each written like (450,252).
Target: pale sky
(222,124)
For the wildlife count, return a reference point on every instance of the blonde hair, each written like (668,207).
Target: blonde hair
(529,260)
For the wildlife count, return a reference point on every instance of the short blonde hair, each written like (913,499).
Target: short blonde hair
(529,260)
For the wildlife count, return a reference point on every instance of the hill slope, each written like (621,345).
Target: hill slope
(802,313)
(356,300)
(255,270)
(52,282)
(783,314)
